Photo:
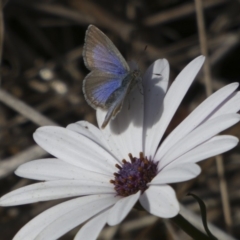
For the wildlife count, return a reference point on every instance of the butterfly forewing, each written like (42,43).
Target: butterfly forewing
(100,53)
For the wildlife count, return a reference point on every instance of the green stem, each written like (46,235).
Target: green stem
(189,228)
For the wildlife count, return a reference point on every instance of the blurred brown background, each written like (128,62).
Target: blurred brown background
(41,84)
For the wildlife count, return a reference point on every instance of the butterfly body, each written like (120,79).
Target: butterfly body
(110,79)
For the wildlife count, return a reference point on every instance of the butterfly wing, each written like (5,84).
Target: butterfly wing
(98,86)
(108,67)
(116,99)
(116,105)
(100,53)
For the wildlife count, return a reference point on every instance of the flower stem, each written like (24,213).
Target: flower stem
(187,227)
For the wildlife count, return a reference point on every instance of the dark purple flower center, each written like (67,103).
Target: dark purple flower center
(134,176)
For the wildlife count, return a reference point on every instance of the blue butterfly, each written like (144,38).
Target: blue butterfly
(110,79)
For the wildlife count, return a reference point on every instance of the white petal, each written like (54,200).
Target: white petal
(197,117)
(231,105)
(50,190)
(179,173)
(36,225)
(73,218)
(126,129)
(54,169)
(111,137)
(212,147)
(93,227)
(120,210)
(154,87)
(75,149)
(198,136)
(90,131)
(160,201)
(172,100)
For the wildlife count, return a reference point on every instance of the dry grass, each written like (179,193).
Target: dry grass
(41,81)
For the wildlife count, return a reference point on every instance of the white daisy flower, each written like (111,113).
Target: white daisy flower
(108,171)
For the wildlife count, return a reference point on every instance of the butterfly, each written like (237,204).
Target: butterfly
(110,79)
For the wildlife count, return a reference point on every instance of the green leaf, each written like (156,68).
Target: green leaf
(203,214)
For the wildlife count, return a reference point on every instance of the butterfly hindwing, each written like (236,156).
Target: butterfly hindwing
(98,86)
(116,106)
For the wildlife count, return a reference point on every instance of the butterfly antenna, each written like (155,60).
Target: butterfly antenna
(142,54)
(140,88)
(139,83)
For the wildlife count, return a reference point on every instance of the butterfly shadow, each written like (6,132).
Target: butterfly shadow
(141,108)
(153,101)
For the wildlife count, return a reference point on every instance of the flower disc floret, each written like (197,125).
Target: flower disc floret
(134,175)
